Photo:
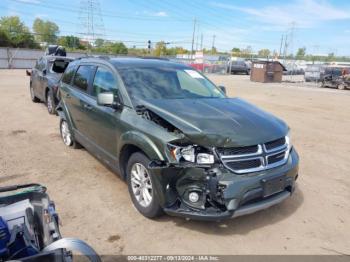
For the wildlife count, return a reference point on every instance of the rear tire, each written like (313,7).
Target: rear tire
(66,135)
(141,185)
(32,94)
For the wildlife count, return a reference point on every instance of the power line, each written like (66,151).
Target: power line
(91,20)
(108,29)
(104,13)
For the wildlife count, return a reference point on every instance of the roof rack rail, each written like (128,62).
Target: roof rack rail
(94,56)
(154,57)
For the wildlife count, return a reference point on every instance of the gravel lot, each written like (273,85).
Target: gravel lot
(94,204)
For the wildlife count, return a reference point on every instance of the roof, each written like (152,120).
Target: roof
(52,57)
(126,62)
(266,62)
(144,62)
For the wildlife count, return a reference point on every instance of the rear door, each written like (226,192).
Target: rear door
(103,122)
(76,98)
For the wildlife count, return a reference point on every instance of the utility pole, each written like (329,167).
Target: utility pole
(285,50)
(91,24)
(279,54)
(213,45)
(194,31)
(202,42)
(292,31)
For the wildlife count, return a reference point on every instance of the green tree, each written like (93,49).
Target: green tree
(247,52)
(71,42)
(99,42)
(160,48)
(15,33)
(330,57)
(264,52)
(46,31)
(301,52)
(4,39)
(118,48)
(176,50)
(236,51)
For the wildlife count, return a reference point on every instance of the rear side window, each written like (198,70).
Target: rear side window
(58,66)
(68,74)
(104,82)
(82,77)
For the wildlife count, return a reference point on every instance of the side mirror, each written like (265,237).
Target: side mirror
(44,72)
(108,99)
(28,73)
(223,89)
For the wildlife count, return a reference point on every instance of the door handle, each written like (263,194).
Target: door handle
(67,95)
(88,107)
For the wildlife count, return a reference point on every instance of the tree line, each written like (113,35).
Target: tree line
(300,55)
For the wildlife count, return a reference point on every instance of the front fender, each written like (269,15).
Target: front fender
(141,141)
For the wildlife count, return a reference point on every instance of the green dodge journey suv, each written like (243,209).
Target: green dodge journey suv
(183,146)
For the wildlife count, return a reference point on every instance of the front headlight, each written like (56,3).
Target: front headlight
(192,153)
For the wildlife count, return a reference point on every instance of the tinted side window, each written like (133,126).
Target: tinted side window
(82,77)
(68,74)
(104,82)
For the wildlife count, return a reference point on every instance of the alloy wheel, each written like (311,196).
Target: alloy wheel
(49,103)
(66,135)
(141,184)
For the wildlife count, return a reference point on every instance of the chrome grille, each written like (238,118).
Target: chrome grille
(275,144)
(255,158)
(238,150)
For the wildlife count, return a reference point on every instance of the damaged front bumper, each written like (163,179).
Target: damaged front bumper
(222,194)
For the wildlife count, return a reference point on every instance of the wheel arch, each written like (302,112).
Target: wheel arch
(132,142)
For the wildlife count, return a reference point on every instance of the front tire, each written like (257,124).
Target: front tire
(32,94)
(141,186)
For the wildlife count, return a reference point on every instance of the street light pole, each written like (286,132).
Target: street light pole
(194,31)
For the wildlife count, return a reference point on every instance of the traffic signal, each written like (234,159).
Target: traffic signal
(149,45)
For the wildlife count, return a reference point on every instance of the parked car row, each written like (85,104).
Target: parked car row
(182,146)
(44,79)
(330,76)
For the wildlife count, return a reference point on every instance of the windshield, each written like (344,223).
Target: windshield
(167,83)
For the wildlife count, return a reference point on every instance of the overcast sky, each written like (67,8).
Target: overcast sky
(320,26)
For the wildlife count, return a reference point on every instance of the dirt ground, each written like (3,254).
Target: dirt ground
(94,204)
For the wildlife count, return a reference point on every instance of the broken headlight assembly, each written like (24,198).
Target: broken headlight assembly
(191,153)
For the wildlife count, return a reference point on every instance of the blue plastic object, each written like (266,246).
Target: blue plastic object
(4,238)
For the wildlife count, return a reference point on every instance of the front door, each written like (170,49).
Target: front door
(103,122)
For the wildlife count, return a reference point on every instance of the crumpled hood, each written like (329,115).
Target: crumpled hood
(219,122)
